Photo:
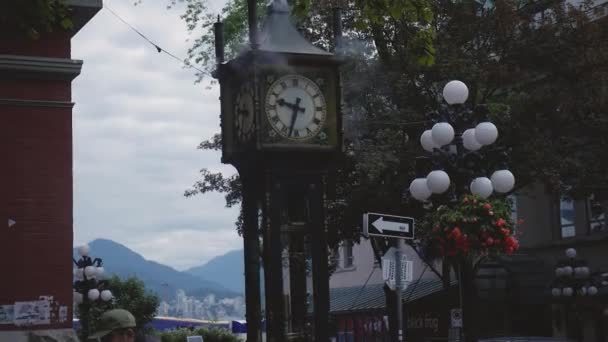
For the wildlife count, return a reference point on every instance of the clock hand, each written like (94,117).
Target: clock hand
(282,102)
(296,108)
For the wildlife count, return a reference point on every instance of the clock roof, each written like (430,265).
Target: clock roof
(280,35)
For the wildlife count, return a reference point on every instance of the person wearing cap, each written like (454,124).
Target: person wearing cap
(115,325)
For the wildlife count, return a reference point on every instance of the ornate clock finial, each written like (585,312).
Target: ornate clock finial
(280,35)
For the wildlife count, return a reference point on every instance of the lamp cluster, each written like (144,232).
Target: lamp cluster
(573,278)
(472,139)
(89,274)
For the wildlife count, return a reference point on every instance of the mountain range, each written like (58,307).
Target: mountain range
(222,276)
(227,270)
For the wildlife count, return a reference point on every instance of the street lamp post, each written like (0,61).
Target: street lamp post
(459,144)
(574,281)
(89,286)
(457,147)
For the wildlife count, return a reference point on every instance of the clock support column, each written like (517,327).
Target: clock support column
(320,260)
(251,250)
(295,254)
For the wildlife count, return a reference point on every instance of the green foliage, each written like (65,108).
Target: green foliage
(209,335)
(399,54)
(34,17)
(129,294)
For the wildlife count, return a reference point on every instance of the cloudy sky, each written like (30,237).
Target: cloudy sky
(137,121)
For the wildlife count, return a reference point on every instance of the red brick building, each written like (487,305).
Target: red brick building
(36,229)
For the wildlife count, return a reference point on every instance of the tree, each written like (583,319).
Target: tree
(542,66)
(129,294)
(33,17)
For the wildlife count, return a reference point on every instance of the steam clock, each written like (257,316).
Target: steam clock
(281,129)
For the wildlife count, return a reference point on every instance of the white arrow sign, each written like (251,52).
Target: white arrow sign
(11,223)
(382,226)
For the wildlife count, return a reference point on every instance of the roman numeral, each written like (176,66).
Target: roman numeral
(295,82)
(285,130)
(319,109)
(275,119)
(315,96)
(270,107)
(316,121)
(284,85)
(308,131)
(296,133)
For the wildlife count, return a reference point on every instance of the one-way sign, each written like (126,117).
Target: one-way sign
(375,224)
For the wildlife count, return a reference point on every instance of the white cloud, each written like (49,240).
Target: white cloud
(137,121)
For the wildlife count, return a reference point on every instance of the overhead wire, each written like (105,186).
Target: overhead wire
(159,49)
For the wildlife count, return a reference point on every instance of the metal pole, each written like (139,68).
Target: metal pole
(461,294)
(253,23)
(252,264)
(319,262)
(399,285)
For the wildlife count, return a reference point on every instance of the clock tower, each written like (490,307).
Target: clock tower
(282,130)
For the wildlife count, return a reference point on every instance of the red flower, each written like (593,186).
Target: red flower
(474,219)
(456,232)
(491,213)
(501,222)
(511,242)
(520,222)
(489,241)
(487,206)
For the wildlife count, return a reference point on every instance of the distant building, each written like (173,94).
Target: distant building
(36,193)
(358,304)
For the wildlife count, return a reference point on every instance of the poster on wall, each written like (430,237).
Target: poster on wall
(32,313)
(63,314)
(7,314)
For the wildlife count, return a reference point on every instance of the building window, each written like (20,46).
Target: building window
(596,215)
(566,213)
(348,254)
(335,257)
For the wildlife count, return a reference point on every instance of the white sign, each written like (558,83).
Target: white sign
(32,313)
(389,269)
(407,269)
(389,226)
(392,226)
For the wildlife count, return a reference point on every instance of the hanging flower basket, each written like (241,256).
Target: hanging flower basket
(472,227)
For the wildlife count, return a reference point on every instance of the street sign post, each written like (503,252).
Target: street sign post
(384,225)
(397,271)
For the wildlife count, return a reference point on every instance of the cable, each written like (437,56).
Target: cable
(158,48)
(362,288)
(416,283)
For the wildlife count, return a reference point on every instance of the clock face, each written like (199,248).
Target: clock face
(244,111)
(295,107)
